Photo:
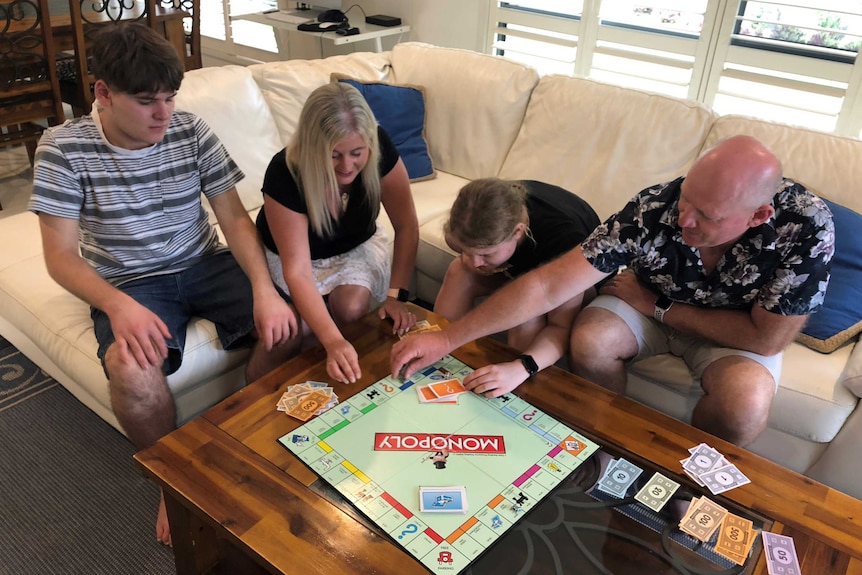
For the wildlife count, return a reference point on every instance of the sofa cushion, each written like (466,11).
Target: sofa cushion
(475,104)
(401,112)
(287,84)
(242,122)
(840,318)
(820,160)
(609,142)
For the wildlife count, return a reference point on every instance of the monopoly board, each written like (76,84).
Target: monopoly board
(383,446)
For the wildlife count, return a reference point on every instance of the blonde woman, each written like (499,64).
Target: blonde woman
(503,229)
(322,196)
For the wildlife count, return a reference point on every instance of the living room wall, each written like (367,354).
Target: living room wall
(450,23)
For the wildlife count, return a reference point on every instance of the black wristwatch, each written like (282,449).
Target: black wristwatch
(530,364)
(400,294)
(662,306)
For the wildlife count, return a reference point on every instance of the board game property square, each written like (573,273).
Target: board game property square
(380,447)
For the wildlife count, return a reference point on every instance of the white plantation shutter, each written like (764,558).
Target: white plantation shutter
(792,61)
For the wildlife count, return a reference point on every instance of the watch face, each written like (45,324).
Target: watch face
(663,302)
(530,364)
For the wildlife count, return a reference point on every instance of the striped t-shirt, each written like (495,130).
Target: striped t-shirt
(140,211)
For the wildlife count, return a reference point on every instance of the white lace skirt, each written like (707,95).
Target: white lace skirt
(368,265)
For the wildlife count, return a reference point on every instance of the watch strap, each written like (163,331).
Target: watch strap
(400,294)
(529,364)
(662,306)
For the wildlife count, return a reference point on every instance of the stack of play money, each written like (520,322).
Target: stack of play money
(307,399)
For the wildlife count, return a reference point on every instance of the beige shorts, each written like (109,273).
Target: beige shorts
(655,338)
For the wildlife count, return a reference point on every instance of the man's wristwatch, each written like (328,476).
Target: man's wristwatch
(530,364)
(400,294)
(662,306)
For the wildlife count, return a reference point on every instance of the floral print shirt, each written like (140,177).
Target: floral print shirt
(782,265)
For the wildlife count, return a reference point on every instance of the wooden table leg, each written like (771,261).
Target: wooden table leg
(195,544)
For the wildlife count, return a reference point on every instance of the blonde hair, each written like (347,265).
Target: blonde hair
(331,113)
(486,212)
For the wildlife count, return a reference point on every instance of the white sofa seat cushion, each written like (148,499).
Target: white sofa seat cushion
(474,104)
(241,120)
(611,142)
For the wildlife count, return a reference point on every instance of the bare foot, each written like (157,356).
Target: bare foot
(163,529)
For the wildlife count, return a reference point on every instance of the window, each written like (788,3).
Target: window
(823,32)
(220,34)
(538,33)
(792,61)
(789,61)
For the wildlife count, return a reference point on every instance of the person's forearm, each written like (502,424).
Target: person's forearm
(79,278)
(404,257)
(247,248)
(312,309)
(729,328)
(548,346)
(511,305)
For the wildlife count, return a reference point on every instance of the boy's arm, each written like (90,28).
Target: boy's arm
(140,330)
(274,319)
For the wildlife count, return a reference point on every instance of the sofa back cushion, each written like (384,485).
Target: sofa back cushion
(826,163)
(605,143)
(242,121)
(287,84)
(475,104)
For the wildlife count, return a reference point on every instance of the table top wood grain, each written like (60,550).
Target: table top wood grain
(228,480)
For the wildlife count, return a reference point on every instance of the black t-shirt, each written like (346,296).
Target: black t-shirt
(356,224)
(559,221)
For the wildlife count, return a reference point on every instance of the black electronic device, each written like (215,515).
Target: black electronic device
(383,20)
(322,26)
(336,16)
(347,31)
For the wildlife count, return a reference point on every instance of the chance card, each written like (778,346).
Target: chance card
(448,388)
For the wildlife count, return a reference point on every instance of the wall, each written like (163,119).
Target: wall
(450,23)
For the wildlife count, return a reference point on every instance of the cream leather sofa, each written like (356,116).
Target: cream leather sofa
(484,116)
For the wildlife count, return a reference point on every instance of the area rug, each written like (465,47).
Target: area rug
(73,501)
(20,379)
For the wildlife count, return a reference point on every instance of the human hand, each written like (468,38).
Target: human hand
(416,351)
(275,320)
(627,287)
(141,333)
(342,362)
(402,318)
(496,379)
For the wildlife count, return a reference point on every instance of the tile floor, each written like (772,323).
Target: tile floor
(15,180)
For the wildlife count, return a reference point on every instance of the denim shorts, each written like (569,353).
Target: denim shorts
(655,338)
(213,288)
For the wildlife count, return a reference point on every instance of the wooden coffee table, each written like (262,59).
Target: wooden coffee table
(238,501)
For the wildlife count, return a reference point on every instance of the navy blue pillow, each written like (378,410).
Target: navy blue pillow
(401,112)
(840,318)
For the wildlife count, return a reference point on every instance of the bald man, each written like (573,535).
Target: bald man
(721,267)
